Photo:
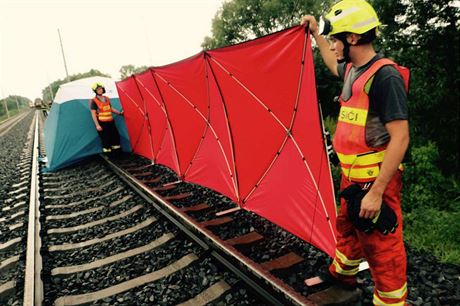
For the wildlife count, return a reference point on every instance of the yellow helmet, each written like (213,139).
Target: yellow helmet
(96,85)
(354,16)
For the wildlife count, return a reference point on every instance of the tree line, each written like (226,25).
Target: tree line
(13,103)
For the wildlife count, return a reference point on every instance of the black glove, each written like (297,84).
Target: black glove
(385,221)
(353,195)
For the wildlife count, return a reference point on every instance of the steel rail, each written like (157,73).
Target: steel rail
(33,287)
(272,290)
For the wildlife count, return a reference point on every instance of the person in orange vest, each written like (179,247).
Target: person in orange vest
(371,139)
(101,112)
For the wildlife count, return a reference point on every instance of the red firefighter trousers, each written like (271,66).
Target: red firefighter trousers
(385,254)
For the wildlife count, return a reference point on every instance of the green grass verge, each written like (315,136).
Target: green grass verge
(435,231)
(13,113)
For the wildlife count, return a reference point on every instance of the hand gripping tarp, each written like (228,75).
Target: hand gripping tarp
(242,120)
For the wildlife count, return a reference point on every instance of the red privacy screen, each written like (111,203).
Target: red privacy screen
(244,121)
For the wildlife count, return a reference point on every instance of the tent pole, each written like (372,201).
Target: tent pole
(171,130)
(146,118)
(235,179)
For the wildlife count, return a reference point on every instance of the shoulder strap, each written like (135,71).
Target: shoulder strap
(405,73)
(368,76)
(376,67)
(98,102)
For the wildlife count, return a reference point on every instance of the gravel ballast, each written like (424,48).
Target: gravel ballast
(430,282)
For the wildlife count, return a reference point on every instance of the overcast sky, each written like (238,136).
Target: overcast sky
(99,34)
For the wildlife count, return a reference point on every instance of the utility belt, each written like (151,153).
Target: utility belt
(364,167)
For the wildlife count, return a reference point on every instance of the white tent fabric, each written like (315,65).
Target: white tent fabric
(81,89)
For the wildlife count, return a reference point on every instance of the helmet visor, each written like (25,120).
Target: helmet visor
(325,26)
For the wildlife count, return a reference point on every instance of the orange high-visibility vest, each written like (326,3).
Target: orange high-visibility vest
(359,162)
(105,111)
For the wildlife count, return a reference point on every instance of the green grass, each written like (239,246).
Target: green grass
(330,124)
(13,113)
(435,231)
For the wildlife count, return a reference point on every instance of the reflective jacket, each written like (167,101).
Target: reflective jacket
(104,113)
(359,162)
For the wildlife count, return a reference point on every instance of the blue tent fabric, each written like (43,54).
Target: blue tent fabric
(70,134)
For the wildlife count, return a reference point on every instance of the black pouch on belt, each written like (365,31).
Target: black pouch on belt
(385,221)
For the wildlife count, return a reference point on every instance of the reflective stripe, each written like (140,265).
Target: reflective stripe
(364,173)
(339,269)
(351,115)
(368,85)
(365,159)
(364,23)
(379,302)
(395,294)
(105,116)
(346,261)
(361,173)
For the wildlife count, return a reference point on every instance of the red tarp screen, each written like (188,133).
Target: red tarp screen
(244,121)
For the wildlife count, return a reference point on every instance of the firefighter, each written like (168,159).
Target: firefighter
(101,112)
(371,139)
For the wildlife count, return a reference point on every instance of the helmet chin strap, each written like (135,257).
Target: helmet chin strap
(346,55)
(346,49)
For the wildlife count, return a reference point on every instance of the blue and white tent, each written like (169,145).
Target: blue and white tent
(70,134)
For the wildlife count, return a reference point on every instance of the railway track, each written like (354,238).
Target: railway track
(104,241)
(258,245)
(18,195)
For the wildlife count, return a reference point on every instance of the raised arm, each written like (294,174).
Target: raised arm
(328,56)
